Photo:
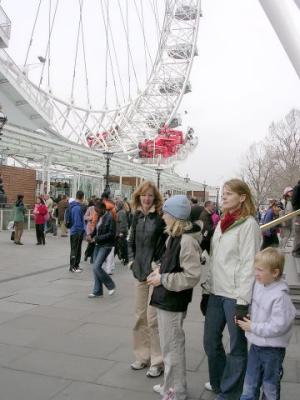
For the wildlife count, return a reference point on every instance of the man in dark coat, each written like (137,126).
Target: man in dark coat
(296,206)
(208,226)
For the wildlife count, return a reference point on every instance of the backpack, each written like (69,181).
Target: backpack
(67,218)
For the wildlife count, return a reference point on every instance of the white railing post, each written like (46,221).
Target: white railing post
(28,221)
(1,219)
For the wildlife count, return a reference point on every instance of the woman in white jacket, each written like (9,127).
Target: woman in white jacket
(234,244)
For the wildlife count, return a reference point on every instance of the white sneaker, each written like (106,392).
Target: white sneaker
(154,372)
(92,296)
(208,387)
(111,292)
(137,365)
(158,389)
(78,270)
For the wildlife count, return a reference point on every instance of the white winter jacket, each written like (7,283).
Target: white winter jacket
(231,266)
(272,315)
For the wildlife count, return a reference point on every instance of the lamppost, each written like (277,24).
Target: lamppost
(158,171)
(186,180)
(108,156)
(217,198)
(204,184)
(3,120)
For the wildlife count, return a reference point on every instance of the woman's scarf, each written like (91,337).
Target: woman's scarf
(229,219)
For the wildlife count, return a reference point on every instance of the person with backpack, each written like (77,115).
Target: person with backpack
(75,222)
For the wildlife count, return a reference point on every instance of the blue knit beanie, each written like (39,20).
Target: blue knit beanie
(178,207)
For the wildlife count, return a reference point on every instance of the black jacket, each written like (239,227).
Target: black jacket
(166,299)
(208,229)
(296,197)
(146,242)
(105,234)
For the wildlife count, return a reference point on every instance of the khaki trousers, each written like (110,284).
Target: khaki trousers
(146,345)
(19,227)
(63,228)
(172,340)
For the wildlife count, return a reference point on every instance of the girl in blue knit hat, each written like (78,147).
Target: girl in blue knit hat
(173,285)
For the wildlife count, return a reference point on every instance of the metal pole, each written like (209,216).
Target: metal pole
(279,16)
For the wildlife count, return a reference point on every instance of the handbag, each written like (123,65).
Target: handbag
(12,236)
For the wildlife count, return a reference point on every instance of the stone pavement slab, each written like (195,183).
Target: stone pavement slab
(56,344)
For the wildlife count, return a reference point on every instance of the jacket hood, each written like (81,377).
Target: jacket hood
(278,285)
(74,204)
(194,231)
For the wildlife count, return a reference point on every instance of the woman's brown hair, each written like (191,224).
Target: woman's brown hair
(141,190)
(241,188)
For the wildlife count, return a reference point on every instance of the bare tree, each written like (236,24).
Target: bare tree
(257,171)
(273,164)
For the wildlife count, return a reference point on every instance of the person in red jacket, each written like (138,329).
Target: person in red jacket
(40,212)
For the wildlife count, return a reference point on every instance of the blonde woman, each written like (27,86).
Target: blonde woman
(145,245)
(173,289)
(234,245)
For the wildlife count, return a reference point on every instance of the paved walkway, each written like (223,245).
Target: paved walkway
(57,344)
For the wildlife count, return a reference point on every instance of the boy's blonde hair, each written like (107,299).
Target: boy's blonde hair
(271,258)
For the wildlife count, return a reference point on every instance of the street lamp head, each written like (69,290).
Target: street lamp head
(108,154)
(3,119)
(187,178)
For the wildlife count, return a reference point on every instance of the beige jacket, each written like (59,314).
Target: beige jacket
(189,258)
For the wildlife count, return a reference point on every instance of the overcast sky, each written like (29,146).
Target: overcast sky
(241,81)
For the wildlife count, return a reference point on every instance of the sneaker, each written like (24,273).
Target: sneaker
(78,269)
(208,387)
(111,292)
(92,295)
(137,365)
(154,372)
(71,269)
(158,389)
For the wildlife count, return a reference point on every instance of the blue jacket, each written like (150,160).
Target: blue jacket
(76,218)
(269,216)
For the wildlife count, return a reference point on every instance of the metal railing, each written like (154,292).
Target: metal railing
(5,24)
(279,220)
(7,215)
(17,78)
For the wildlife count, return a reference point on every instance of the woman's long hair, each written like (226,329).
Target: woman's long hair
(141,190)
(241,188)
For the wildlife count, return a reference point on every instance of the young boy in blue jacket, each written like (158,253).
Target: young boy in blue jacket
(269,328)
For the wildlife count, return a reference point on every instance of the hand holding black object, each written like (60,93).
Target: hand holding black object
(204,303)
(241,311)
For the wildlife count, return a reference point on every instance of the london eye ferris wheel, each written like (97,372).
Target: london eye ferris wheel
(114,72)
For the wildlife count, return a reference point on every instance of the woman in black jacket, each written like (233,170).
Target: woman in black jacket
(145,245)
(104,238)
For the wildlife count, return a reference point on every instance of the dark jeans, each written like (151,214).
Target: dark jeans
(226,372)
(40,235)
(264,369)
(100,276)
(75,256)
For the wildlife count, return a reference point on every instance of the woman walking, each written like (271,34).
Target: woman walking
(104,238)
(40,211)
(234,244)
(19,218)
(145,245)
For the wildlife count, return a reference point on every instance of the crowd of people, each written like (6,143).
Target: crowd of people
(169,247)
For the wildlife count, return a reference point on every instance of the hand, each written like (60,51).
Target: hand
(245,324)
(88,238)
(154,278)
